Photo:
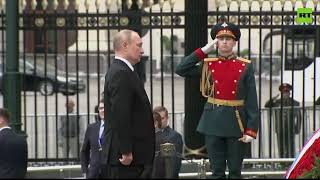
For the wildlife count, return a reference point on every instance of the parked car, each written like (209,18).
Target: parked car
(54,81)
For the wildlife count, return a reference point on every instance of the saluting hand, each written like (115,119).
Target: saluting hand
(209,47)
(126,159)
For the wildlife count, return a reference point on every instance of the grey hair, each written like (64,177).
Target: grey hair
(123,35)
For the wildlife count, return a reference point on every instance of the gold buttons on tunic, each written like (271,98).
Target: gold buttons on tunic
(218,92)
(240,70)
(212,70)
(233,92)
(233,60)
(219,62)
(235,81)
(216,81)
(210,63)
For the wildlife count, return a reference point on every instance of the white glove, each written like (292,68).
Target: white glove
(209,47)
(246,138)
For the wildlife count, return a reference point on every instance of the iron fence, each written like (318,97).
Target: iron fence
(66,48)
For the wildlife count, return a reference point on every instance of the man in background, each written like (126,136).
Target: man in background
(68,132)
(13,150)
(91,152)
(287,120)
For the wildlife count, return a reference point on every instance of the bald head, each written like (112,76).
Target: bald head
(121,37)
(128,44)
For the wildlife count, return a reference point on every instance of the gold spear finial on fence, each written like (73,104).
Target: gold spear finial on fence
(87,4)
(44,4)
(55,4)
(129,3)
(228,2)
(65,4)
(150,3)
(97,3)
(250,3)
(2,4)
(33,4)
(119,4)
(139,3)
(217,2)
(282,2)
(271,3)
(76,4)
(172,2)
(293,2)
(108,4)
(161,3)
(260,2)
(22,4)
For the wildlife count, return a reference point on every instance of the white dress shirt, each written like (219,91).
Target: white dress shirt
(6,127)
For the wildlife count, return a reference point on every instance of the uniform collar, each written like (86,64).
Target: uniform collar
(231,56)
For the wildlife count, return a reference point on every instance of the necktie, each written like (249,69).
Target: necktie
(100,134)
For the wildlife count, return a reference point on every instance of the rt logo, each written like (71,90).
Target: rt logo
(304,15)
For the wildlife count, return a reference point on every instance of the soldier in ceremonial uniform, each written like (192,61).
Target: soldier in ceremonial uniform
(230,115)
(287,120)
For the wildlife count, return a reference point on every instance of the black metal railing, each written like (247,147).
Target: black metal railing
(65,53)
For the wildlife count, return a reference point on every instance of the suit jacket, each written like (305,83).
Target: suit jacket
(235,73)
(90,153)
(128,112)
(13,154)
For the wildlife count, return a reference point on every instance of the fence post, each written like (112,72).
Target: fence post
(168,153)
(11,76)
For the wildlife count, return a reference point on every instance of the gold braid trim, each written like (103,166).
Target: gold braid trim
(210,59)
(244,60)
(239,120)
(206,87)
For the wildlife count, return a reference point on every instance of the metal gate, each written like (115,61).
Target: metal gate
(65,49)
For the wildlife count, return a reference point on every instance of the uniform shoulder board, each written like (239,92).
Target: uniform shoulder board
(244,60)
(210,59)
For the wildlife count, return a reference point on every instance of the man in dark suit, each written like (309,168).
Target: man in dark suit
(128,112)
(91,150)
(13,150)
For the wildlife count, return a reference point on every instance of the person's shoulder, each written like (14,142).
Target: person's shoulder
(93,125)
(211,59)
(176,133)
(244,60)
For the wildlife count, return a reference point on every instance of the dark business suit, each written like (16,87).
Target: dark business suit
(128,112)
(91,153)
(13,154)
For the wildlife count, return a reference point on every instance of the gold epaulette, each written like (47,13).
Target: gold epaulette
(210,59)
(243,59)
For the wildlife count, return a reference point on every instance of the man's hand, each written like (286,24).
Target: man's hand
(209,47)
(126,159)
(246,138)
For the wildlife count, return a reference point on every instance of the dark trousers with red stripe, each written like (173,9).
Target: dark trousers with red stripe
(224,151)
